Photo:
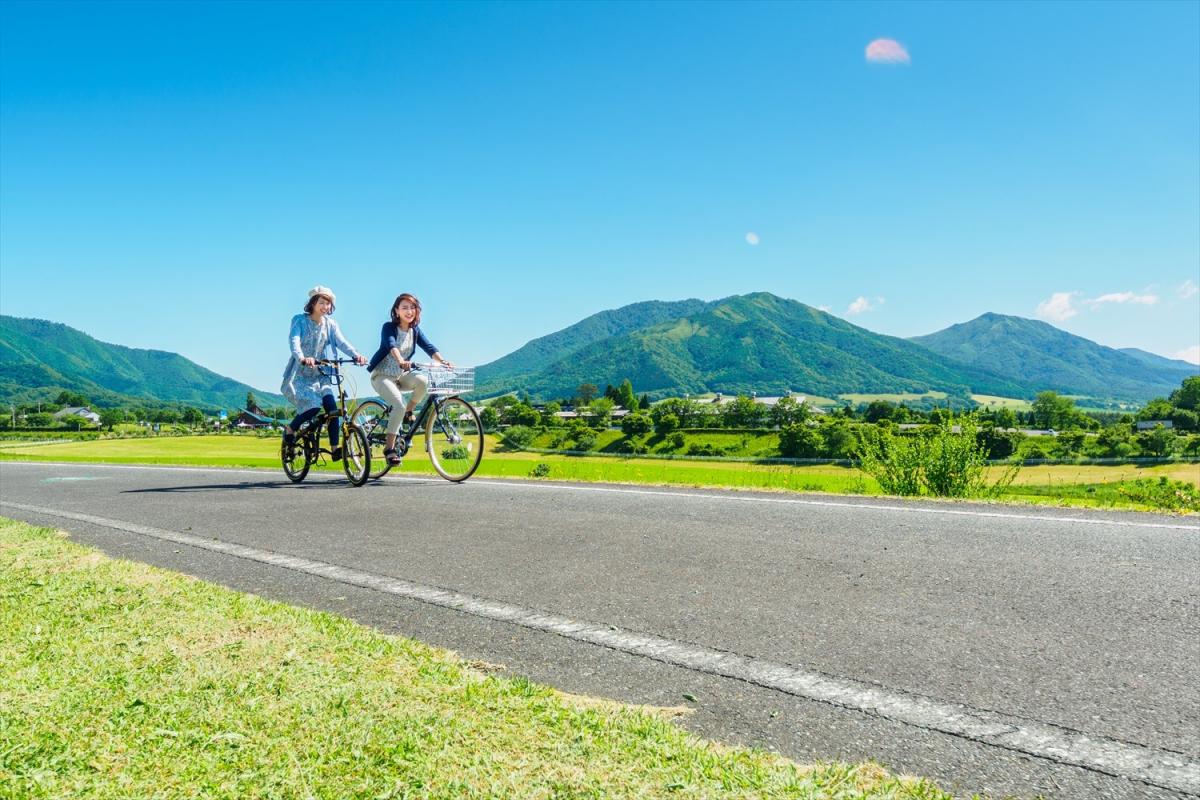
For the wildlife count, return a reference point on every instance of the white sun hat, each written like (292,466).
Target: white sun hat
(325,290)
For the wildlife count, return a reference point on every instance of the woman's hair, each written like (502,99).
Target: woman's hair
(312,301)
(412,299)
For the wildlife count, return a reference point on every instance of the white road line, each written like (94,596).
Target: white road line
(1062,745)
(692,495)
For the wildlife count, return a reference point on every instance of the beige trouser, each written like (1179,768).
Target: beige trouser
(390,390)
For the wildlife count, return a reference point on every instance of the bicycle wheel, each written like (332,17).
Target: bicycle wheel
(454,438)
(356,455)
(295,458)
(371,417)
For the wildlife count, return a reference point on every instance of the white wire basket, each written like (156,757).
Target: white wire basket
(460,380)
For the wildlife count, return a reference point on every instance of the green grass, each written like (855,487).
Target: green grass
(122,680)
(1064,484)
(995,401)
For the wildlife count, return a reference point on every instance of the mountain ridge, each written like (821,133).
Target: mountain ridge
(38,355)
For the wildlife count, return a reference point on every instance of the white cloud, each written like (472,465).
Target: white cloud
(1123,297)
(752,238)
(1188,289)
(863,305)
(1191,354)
(1058,308)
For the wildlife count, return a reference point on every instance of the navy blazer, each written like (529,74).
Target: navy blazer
(388,337)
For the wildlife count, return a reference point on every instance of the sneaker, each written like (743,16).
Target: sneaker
(336,454)
(392,457)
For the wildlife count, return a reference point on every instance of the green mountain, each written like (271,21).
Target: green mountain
(502,375)
(751,343)
(1054,359)
(39,359)
(1184,368)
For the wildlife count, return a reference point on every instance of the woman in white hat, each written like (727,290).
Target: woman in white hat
(314,335)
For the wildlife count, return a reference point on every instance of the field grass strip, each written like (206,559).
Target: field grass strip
(1042,740)
(123,680)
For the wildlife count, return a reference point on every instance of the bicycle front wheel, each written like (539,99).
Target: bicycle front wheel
(356,455)
(454,439)
(371,417)
(295,458)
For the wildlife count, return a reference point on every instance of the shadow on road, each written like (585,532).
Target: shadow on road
(317,485)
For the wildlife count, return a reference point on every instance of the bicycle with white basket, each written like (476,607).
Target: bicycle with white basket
(453,432)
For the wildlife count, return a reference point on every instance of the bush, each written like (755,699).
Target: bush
(518,437)
(798,440)
(540,470)
(636,424)
(941,462)
(585,440)
(707,449)
(1163,493)
(455,453)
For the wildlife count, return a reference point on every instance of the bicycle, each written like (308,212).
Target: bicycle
(453,432)
(305,449)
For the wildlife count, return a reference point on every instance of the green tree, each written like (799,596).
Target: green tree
(1050,410)
(586,393)
(799,440)
(111,416)
(743,412)
(39,419)
(636,424)
(550,412)
(521,414)
(840,441)
(1187,396)
(1157,442)
(664,422)
(644,402)
(879,409)
(600,413)
(67,399)
(788,412)
(625,395)
(489,418)
(518,437)
(193,416)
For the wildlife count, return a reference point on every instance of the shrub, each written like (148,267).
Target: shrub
(540,470)
(518,437)
(585,440)
(676,440)
(942,462)
(1163,493)
(798,440)
(636,424)
(706,449)
(455,452)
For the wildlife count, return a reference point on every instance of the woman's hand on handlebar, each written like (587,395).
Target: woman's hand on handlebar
(360,360)
(308,361)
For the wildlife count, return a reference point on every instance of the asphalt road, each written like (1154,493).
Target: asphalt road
(995,649)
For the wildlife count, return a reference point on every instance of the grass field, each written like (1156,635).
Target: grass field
(1068,484)
(993,402)
(122,680)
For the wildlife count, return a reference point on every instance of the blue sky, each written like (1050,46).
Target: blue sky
(177,175)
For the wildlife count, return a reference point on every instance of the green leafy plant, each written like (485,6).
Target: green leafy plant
(1163,493)
(540,470)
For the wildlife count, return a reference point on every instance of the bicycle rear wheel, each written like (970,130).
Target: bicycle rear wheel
(295,458)
(356,455)
(371,417)
(454,438)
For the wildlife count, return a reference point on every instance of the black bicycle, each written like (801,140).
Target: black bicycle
(304,450)
(453,432)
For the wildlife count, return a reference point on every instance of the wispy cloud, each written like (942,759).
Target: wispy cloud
(863,305)
(752,238)
(1123,297)
(1191,354)
(1058,308)
(1187,289)
(887,51)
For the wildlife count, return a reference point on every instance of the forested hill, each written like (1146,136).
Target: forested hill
(38,359)
(750,343)
(1054,359)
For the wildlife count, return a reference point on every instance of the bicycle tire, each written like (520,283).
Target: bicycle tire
(454,439)
(371,416)
(295,458)
(356,455)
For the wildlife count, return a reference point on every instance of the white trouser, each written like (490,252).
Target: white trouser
(390,390)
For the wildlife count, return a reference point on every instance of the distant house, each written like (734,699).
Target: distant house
(1151,424)
(252,417)
(79,411)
